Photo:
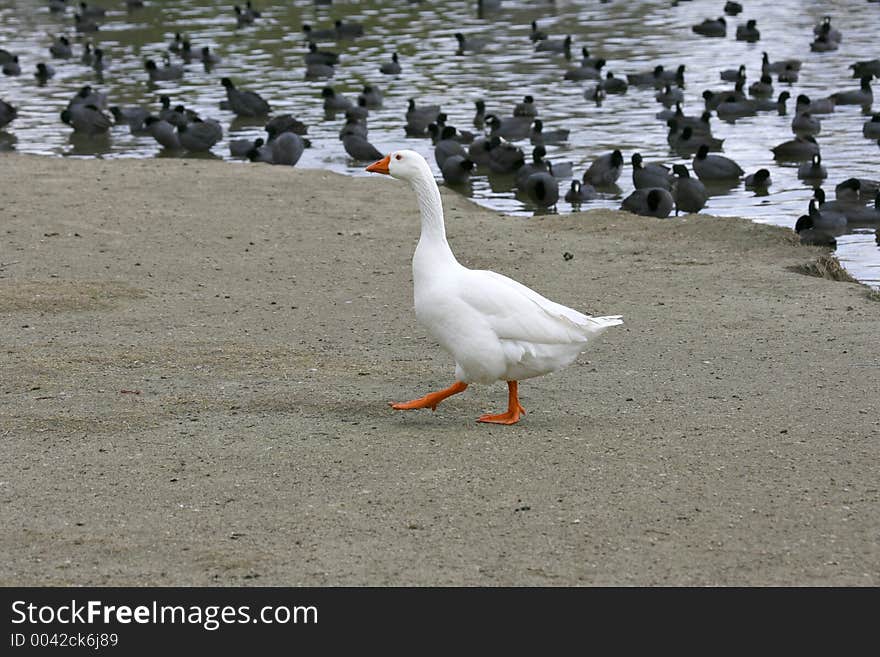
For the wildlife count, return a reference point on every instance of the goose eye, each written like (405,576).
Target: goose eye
(398,157)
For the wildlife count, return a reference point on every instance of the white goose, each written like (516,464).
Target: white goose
(495,328)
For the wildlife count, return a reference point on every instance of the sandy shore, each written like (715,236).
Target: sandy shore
(197,358)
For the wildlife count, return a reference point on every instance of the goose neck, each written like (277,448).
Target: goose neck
(431,209)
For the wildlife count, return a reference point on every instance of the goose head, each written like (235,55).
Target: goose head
(403,165)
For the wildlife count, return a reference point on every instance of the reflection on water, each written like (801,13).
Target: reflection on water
(632,36)
(80,144)
(7,141)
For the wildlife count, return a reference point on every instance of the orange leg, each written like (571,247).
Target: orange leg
(514,409)
(431,399)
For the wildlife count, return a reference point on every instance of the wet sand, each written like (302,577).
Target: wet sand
(198,356)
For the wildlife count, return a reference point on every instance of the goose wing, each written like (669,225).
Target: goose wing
(516,312)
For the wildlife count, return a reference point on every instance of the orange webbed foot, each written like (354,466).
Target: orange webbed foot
(422,402)
(502,418)
(514,409)
(431,399)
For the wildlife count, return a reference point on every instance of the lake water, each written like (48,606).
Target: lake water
(631,36)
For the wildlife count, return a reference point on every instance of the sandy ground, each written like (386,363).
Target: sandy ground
(198,356)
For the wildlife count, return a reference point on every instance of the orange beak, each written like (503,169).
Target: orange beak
(381,166)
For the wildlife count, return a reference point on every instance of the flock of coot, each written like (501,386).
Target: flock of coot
(503,142)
